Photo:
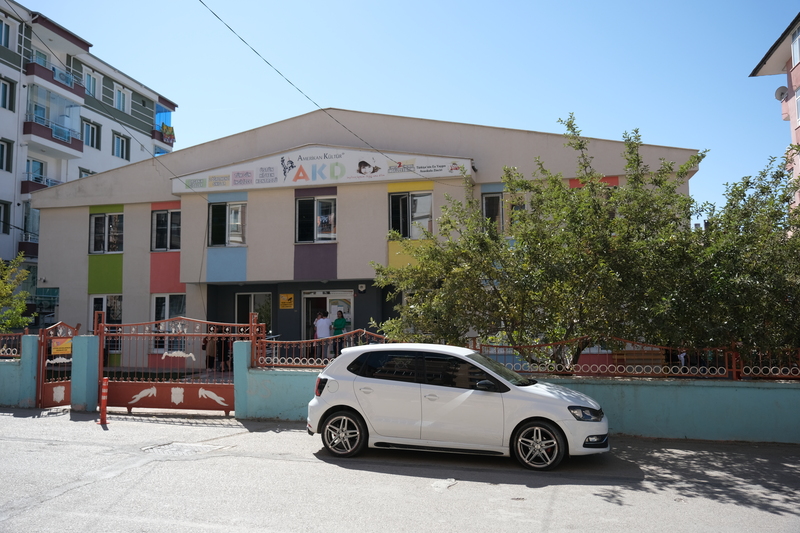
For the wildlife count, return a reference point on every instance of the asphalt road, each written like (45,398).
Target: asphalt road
(179,471)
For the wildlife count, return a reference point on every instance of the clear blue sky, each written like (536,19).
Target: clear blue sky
(678,71)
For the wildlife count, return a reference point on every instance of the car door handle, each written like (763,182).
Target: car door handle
(431,397)
(366,390)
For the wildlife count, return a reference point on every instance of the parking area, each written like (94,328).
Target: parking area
(203,471)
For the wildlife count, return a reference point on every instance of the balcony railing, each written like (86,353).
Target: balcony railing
(38,178)
(62,74)
(60,132)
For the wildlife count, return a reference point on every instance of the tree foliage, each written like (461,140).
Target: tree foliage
(601,261)
(12,300)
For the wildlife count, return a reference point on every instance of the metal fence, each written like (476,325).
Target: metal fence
(11,345)
(316,353)
(624,358)
(179,349)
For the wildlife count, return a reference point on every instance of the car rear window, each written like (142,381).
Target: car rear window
(388,365)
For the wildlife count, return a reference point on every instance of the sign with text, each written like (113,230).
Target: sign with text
(319,166)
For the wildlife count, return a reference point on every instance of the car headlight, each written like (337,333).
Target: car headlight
(586,414)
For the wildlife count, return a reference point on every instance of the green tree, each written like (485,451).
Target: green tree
(12,300)
(588,261)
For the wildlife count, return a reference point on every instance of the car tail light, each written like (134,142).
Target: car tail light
(321,382)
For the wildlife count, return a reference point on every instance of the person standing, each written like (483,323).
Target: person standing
(339,326)
(323,325)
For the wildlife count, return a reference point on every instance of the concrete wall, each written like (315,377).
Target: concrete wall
(750,411)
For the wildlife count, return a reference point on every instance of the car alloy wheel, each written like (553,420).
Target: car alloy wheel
(539,445)
(344,434)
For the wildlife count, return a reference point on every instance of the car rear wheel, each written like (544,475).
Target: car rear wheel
(344,434)
(539,445)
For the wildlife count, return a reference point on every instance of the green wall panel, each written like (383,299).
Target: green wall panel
(105,274)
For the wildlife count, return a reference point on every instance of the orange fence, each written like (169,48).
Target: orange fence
(314,353)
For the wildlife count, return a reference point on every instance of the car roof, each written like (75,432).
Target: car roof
(412,346)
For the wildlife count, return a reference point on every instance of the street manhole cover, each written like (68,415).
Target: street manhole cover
(180,448)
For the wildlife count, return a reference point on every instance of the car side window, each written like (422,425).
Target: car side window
(449,371)
(388,365)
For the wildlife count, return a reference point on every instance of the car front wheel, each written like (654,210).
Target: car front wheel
(344,434)
(539,445)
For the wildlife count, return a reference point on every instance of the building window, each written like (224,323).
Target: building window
(39,57)
(254,302)
(410,213)
(121,147)
(121,98)
(316,220)
(105,233)
(166,231)
(796,46)
(36,171)
(226,224)
(166,306)
(5,35)
(90,82)
(5,217)
(83,172)
(91,134)
(30,223)
(159,151)
(111,305)
(797,104)
(5,155)
(6,95)
(492,205)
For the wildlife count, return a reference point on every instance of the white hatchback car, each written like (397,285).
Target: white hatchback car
(449,399)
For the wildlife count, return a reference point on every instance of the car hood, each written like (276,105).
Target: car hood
(559,393)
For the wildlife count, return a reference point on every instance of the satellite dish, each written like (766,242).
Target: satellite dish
(781,93)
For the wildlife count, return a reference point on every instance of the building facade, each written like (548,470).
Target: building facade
(64,115)
(284,220)
(783,59)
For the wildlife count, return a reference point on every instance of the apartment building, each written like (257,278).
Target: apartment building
(284,220)
(64,114)
(783,59)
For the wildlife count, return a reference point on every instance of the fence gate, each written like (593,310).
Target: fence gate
(179,363)
(54,378)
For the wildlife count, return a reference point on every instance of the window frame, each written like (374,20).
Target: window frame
(122,98)
(109,235)
(119,144)
(235,232)
(92,141)
(795,45)
(317,224)
(90,82)
(6,151)
(173,343)
(169,236)
(499,218)
(7,93)
(406,222)
(5,35)
(5,217)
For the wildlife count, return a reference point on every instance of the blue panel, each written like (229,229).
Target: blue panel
(227,264)
(492,187)
(219,197)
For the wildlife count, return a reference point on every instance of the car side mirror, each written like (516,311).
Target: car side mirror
(487,385)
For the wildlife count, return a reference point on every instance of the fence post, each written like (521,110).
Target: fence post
(242,357)
(85,372)
(104,403)
(29,371)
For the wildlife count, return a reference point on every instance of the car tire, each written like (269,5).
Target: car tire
(344,434)
(539,445)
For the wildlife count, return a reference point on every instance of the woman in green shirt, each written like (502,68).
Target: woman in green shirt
(338,328)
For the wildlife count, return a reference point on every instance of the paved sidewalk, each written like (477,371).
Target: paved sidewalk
(202,471)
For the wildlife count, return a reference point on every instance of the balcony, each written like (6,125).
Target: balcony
(51,138)
(29,245)
(32,181)
(57,75)
(164,134)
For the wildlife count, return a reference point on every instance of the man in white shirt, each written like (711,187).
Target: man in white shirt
(323,325)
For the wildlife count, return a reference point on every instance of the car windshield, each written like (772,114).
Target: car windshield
(501,370)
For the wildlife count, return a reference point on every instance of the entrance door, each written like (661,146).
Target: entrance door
(330,301)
